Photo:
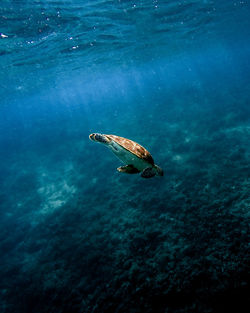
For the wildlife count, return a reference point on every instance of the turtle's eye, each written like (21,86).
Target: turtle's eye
(100,138)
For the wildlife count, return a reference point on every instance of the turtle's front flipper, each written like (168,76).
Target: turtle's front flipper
(129,169)
(148,172)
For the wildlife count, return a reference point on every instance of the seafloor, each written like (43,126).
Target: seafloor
(77,236)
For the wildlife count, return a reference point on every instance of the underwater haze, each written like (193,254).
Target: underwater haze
(78,236)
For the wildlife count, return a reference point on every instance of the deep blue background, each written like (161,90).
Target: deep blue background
(76,235)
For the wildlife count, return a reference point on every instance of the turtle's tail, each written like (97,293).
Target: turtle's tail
(159,171)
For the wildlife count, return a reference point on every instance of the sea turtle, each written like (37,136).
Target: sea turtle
(136,158)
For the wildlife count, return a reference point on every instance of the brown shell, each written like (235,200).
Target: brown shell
(133,147)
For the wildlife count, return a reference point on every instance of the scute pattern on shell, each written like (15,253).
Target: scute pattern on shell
(133,147)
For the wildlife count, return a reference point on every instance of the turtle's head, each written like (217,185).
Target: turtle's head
(101,138)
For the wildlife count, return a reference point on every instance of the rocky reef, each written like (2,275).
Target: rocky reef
(77,236)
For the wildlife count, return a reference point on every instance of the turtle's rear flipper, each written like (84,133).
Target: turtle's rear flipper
(129,169)
(148,172)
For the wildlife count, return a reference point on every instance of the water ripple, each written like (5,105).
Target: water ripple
(83,33)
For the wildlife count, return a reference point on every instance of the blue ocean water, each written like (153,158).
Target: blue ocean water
(77,235)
